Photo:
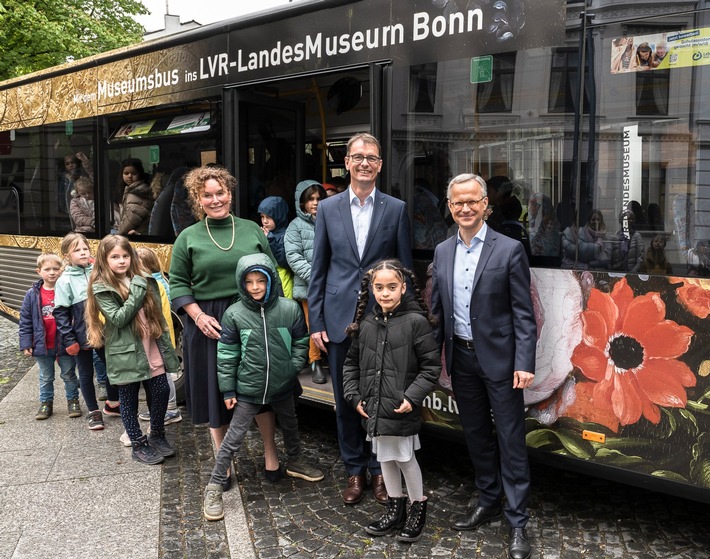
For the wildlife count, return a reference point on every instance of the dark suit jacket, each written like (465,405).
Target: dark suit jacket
(502,317)
(337,269)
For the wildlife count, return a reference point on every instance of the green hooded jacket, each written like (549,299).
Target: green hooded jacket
(264,344)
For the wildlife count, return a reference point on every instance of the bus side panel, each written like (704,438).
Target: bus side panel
(622,377)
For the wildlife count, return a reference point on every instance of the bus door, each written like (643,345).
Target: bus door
(265,149)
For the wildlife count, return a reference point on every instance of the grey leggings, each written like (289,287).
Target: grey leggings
(244,413)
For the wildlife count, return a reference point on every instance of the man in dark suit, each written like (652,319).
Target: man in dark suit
(481,298)
(354,230)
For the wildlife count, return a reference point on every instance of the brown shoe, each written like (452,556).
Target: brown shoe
(352,494)
(378,486)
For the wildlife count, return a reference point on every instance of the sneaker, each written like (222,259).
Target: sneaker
(96,422)
(44,411)
(74,408)
(143,452)
(299,469)
(213,508)
(125,439)
(114,411)
(172,416)
(161,446)
(101,394)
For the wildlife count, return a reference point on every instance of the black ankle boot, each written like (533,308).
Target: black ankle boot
(393,519)
(416,519)
(318,374)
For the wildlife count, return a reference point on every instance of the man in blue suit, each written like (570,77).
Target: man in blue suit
(481,298)
(354,230)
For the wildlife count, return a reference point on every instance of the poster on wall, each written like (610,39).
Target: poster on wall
(660,51)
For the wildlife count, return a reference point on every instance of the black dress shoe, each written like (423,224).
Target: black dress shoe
(318,375)
(477,517)
(519,547)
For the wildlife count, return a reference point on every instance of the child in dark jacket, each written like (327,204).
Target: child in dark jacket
(273,211)
(38,338)
(391,366)
(263,346)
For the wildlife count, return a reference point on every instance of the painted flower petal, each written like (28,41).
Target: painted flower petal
(622,295)
(642,313)
(625,400)
(667,339)
(605,306)
(590,361)
(595,331)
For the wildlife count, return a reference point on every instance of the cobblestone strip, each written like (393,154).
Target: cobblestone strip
(13,363)
(183,530)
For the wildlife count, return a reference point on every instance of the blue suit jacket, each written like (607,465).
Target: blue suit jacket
(502,317)
(337,269)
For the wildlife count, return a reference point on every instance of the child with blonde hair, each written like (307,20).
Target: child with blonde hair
(38,338)
(70,301)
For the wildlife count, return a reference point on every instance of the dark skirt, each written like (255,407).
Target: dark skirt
(204,399)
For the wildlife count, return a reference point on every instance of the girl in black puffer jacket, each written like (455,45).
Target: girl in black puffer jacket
(392,364)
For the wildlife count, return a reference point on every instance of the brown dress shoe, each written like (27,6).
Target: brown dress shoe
(378,486)
(352,494)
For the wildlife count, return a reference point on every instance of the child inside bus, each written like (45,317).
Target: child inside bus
(81,208)
(273,211)
(137,200)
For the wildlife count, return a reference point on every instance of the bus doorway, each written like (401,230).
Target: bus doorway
(291,130)
(288,131)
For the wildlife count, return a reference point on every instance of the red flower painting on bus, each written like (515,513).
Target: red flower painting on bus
(694,295)
(630,351)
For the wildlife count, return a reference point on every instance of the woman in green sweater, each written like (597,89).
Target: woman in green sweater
(202,286)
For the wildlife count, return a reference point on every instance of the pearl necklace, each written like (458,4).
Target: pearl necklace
(207,224)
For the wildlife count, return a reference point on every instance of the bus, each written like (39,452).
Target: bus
(585,118)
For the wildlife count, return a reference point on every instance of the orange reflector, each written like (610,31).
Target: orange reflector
(593,436)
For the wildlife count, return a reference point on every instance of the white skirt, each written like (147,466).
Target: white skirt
(389,447)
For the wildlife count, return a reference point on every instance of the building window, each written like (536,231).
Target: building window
(422,88)
(496,96)
(564,83)
(652,92)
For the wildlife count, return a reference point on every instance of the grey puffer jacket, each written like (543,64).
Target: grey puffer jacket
(394,357)
(298,244)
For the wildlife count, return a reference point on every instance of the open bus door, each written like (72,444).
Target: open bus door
(268,160)
(267,148)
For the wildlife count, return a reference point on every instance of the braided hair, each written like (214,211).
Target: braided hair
(364,295)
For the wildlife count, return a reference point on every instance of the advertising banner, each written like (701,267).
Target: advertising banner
(660,51)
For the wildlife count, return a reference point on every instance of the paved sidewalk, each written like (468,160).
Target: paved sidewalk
(67,492)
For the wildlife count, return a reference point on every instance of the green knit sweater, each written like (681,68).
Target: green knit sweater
(200,270)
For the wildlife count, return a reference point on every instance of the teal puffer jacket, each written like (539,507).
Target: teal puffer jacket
(126,361)
(264,344)
(298,244)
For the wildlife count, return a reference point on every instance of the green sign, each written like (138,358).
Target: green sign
(69,127)
(154,155)
(481,69)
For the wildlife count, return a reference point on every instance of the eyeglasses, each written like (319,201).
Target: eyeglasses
(359,157)
(458,206)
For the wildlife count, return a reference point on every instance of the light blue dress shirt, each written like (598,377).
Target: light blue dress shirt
(465,264)
(362,217)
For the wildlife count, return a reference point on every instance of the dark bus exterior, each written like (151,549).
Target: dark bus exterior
(587,119)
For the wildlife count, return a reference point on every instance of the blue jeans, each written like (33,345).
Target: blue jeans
(100,369)
(67,370)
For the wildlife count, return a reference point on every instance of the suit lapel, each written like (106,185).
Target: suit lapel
(378,210)
(449,271)
(347,221)
(486,251)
